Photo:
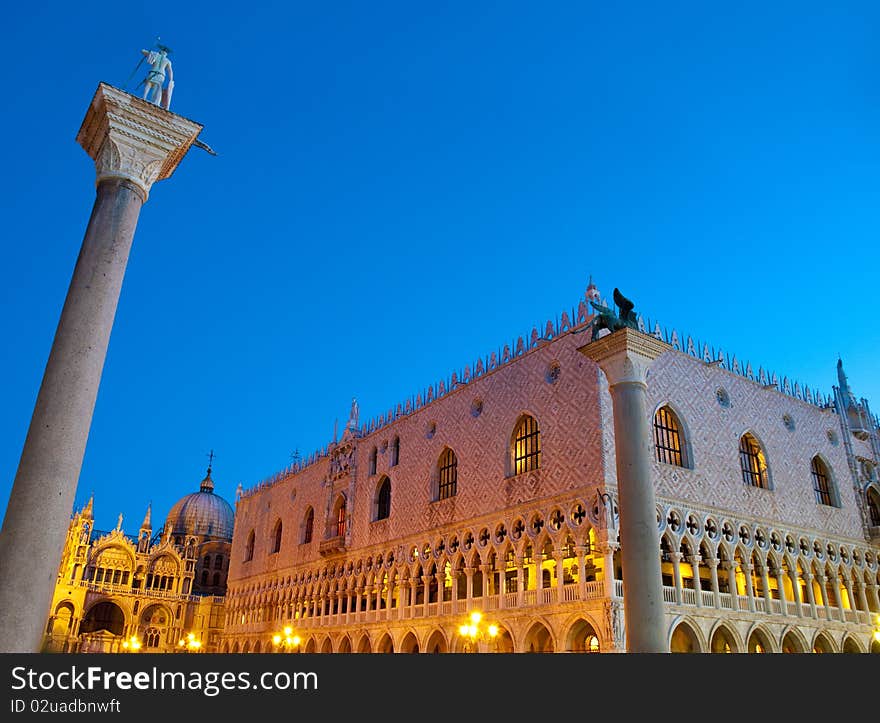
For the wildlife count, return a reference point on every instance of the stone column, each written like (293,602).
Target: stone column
(560,577)
(581,550)
(746,567)
(765,583)
(874,597)
(624,357)
(795,591)
(713,580)
(780,586)
(676,558)
(698,587)
(811,598)
(520,582)
(133,143)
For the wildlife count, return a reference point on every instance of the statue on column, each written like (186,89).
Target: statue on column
(159,65)
(607,319)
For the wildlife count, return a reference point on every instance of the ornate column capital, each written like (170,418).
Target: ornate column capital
(132,139)
(625,355)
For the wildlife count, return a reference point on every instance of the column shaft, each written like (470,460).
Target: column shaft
(43,492)
(639,542)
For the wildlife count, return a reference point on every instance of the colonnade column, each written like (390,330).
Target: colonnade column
(133,143)
(624,356)
(698,587)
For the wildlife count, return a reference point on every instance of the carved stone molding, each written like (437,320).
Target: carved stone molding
(132,139)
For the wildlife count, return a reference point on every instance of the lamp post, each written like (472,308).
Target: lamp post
(189,644)
(474,633)
(132,645)
(286,641)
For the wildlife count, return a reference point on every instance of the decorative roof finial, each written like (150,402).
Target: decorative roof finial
(147,523)
(207,483)
(87,510)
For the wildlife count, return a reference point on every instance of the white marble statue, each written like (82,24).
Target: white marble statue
(154,92)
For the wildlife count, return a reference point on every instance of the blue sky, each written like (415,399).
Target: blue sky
(402,188)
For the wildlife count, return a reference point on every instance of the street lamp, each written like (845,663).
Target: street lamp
(189,644)
(473,632)
(286,640)
(132,645)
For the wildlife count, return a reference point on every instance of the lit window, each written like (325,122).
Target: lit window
(340,517)
(667,438)
(821,482)
(591,645)
(526,446)
(753,462)
(448,475)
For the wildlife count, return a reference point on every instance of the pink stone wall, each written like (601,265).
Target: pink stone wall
(713,433)
(568,415)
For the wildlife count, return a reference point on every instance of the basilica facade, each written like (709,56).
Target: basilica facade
(483,513)
(157,592)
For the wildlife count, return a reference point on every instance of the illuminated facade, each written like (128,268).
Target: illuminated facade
(495,491)
(153,593)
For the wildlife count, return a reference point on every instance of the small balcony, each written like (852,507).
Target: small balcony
(332,545)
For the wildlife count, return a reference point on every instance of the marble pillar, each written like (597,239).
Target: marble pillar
(625,357)
(133,144)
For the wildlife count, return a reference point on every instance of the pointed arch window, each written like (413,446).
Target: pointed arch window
(395,452)
(822,486)
(526,445)
(753,462)
(668,438)
(339,527)
(249,547)
(308,525)
(447,479)
(873,507)
(373,460)
(383,499)
(276,537)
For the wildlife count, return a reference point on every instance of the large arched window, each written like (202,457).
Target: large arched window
(753,462)
(822,486)
(447,477)
(383,499)
(526,447)
(669,438)
(276,538)
(308,525)
(249,548)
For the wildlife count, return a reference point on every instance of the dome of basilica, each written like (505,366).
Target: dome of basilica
(202,514)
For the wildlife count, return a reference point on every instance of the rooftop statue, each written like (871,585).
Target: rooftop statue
(607,319)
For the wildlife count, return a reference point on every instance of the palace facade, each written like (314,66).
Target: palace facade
(154,593)
(495,492)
